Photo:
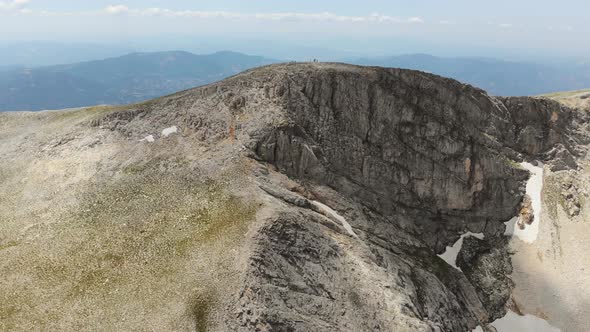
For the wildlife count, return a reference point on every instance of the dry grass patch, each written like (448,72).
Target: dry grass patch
(148,251)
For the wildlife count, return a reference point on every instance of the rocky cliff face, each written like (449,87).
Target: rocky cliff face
(347,182)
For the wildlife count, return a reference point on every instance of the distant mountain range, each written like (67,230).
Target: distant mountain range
(39,53)
(140,76)
(498,77)
(120,80)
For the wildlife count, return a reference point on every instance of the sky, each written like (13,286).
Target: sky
(371,27)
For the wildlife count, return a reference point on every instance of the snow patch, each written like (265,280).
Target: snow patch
(514,322)
(149,138)
(534,188)
(450,254)
(169,131)
(328,210)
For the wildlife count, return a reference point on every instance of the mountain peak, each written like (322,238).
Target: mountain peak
(280,198)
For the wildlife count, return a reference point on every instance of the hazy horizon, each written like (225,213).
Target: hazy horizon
(526,30)
(35,53)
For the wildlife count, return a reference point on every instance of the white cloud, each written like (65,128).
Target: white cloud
(415,20)
(14,5)
(561,28)
(280,16)
(505,25)
(116,9)
(18,7)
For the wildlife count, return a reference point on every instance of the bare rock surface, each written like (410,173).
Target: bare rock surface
(212,225)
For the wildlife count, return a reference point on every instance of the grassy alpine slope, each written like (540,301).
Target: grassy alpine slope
(576,99)
(99,233)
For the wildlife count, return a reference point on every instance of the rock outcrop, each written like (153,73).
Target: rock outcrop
(410,161)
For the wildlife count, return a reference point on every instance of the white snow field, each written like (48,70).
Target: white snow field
(534,188)
(149,138)
(169,131)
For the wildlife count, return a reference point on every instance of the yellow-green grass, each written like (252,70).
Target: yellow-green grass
(144,249)
(565,94)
